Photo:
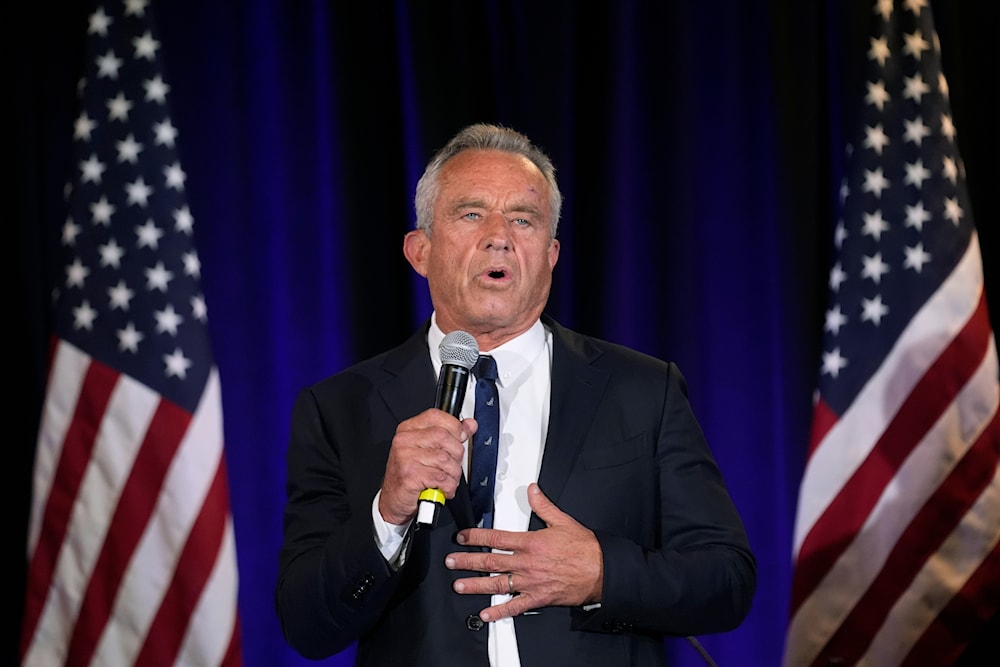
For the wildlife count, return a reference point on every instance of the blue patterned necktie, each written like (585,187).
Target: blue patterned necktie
(483,467)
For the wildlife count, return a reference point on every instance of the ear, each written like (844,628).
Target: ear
(416,247)
(553,253)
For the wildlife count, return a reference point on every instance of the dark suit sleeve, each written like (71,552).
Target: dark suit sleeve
(699,574)
(333,582)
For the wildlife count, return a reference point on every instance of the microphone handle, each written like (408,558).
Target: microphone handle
(451,389)
(451,385)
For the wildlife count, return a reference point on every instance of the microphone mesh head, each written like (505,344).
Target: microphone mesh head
(459,348)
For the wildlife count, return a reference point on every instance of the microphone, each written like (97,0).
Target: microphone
(459,352)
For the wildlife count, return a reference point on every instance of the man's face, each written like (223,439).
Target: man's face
(489,258)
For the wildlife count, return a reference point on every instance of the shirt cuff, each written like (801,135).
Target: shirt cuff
(388,536)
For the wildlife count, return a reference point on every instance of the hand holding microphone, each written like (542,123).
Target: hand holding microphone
(459,353)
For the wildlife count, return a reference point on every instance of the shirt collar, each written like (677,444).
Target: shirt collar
(513,357)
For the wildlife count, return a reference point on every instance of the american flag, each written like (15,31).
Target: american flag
(130,547)
(896,537)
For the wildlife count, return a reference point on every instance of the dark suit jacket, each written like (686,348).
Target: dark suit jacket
(624,455)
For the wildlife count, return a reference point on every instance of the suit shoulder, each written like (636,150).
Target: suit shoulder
(365,370)
(605,353)
(408,359)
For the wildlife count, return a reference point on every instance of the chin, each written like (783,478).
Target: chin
(487,319)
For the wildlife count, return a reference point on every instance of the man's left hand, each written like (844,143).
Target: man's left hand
(559,565)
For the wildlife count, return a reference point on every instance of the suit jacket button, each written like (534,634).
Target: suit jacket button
(474,623)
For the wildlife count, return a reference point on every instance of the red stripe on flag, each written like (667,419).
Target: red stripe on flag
(823,419)
(163,640)
(95,393)
(234,655)
(54,342)
(840,522)
(135,506)
(932,525)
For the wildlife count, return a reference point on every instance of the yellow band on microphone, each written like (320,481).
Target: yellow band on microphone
(433,495)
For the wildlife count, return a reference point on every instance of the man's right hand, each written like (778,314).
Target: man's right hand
(427,453)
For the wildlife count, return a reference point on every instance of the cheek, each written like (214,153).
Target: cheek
(542,261)
(446,264)
(541,277)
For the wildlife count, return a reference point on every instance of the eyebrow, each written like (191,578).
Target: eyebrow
(519,207)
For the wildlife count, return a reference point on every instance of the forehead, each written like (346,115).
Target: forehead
(485,172)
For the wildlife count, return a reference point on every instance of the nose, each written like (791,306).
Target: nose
(496,232)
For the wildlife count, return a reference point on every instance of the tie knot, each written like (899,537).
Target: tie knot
(485,368)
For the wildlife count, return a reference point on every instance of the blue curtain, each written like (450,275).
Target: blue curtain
(697,145)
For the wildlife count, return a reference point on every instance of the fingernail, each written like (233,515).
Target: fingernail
(449,563)
(459,587)
(460,538)
(485,616)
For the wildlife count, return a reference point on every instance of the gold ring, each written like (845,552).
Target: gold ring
(510,583)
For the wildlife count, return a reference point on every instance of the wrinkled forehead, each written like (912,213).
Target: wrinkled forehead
(489,175)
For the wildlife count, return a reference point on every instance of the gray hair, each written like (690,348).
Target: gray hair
(482,136)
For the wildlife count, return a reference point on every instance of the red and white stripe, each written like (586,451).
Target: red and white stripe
(131,551)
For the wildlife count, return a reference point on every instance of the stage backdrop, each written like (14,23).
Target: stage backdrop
(698,146)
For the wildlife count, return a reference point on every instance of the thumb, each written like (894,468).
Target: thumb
(471,426)
(542,506)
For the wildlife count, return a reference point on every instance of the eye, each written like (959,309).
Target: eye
(522,222)
(472,215)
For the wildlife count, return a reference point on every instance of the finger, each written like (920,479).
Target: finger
(515,606)
(471,426)
(480,561)
(434,418)
(425,457)
(437,442)
(503,583)
(502,540)
(540,504)
(439,457)
(497,584)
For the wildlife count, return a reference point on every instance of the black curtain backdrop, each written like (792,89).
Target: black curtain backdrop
(698,146)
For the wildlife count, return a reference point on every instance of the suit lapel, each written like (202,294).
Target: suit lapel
(576,390)
(408,384)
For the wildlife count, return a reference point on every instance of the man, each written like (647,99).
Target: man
(611,525)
